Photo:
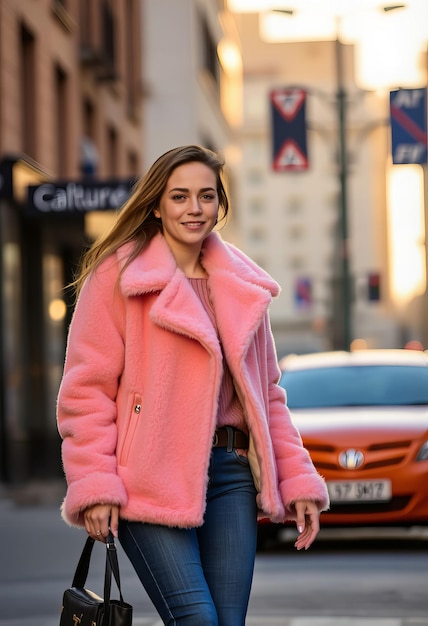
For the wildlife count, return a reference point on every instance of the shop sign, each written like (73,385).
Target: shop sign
(78,197)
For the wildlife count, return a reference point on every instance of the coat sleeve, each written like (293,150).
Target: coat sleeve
(86,406)
(298,478)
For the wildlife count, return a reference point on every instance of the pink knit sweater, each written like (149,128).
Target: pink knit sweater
(229,412)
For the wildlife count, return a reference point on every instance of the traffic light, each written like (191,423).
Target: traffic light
(373,287)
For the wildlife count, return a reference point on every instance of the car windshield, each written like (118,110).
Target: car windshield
(359,385)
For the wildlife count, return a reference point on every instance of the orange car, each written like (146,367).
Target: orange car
(363,417)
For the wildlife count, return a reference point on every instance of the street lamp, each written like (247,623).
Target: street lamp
(346,287)
(341,102)
(345,292)
(343,204)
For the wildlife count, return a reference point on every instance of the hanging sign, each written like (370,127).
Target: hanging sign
(408,110)
(288,114)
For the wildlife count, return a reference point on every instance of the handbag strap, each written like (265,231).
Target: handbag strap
(82,568)
(112,566)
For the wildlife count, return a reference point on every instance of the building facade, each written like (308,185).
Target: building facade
(192,66)
(91,92)
(71,141)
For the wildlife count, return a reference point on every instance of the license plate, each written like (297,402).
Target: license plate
(359,490)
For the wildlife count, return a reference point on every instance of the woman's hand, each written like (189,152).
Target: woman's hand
(99,519)
(308,523)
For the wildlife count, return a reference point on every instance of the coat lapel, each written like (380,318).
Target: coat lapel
(241,293)
(239,310)
(177,308)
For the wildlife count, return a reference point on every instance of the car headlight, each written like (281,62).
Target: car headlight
(423,452)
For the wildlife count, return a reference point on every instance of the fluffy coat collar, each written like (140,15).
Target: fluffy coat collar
(155,267)
(240,290)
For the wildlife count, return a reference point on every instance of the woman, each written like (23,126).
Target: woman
(175,432)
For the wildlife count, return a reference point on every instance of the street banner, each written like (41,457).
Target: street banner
(408,112)
(288,116)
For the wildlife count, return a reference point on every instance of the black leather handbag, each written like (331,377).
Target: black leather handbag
(82,607)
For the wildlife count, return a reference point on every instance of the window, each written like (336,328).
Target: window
(255,175)
(132,53)
(257,206)
(296,232)
(356,385)
(210,60)
(28,92)
(257,235)
(88,119)
(54,321)
(133,166)
(86,28)
(97,38)
(89,155)
(112,142)
(61,126)
(293,205)
(296,263)
(108,39)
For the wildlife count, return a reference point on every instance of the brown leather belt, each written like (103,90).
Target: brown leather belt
(228,437)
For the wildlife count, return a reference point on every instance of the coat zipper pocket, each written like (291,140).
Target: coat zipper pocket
(130,431)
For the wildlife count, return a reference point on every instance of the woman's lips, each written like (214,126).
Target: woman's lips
(193,225)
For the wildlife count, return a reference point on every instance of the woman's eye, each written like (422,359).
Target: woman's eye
(208,196)
(178,197)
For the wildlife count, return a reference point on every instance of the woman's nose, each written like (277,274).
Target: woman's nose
(195,206)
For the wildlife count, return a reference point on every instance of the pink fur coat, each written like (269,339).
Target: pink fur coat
(138,399)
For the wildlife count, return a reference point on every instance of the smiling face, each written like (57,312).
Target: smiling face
(188,206)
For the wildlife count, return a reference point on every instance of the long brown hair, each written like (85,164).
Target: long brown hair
(136,221)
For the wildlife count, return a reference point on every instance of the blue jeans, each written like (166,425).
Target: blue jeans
(202,576)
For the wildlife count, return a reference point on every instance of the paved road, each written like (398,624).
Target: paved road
(39,554)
